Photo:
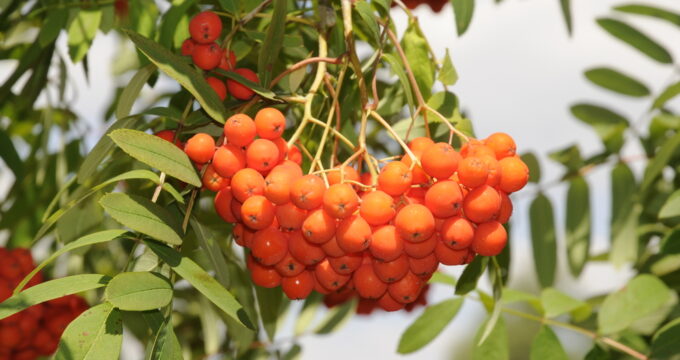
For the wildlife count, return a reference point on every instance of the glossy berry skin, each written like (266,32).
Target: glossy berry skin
(238,90)
(481,204)
(228,61)
(257,212)
(440,160)
(415,223)
(188,47)
(205,27)
(307,192)
(200,148)
(263,276)
(246,183)
(206,56)
(239,130)
(444,199)
(213,181)
(262,155)
(406,289)
(217,85)
(490,239)
(228,159)
(270,123)
(304,251)
(269,246)
(377,208)
(367,283)
(340,201)
(298,287)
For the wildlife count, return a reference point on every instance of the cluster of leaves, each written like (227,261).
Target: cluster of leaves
(75,202)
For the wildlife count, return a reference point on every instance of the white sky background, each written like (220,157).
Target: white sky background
(519,73)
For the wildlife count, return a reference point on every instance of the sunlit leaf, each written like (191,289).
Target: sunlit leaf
(614,80)
(546,346)
(463,10)
(556,303)
(81,32)
(131,91)
(578,224)
(665,341)
(495,347)
(543,239)
(473,271)
(138,291)
(428,326)
(448,74)
(652,11)
(636,39)
(624,216)
(269,52)
(669,93)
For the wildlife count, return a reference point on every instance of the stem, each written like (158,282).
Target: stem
(303,63)
(328,125)
(452,129)
(351,50)
(249,16)
(159,187)
(335,132)
(389,129)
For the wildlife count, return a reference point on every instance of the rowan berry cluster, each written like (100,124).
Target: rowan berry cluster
(208,55)
(339,230)
(36,331)
(367,306)
(435,5)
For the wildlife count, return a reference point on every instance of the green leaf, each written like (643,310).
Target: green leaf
(202,281)
(429,325)
(670,92)
(269,302)
(307,313)
(556,303)
(661,159)
(473,271)
(54,23)
(463,10)
(97,334)
(543,239)
(231,6)
(608,124)
(671,208)
(624,216)
(257,88)
(140,214)
(546,346)
(132,89)
(614,80)
(336,317)
(50,290)
(565,5)
(164,344)
(175,67)
(157,153)
(103,147)
(534,167)
(416,49)
(271,47)
(578,224)
(9,154)
(170,26)
(665,341)
(636,39)
(448,74)
(82,31)
(495,347)
(569,157)
(366,14)
(442,278)
(87,240)
(398,68)
(139,291)
(652,11)
(643,295)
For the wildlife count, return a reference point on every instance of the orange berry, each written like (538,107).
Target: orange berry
(440,160)
(367,283)
(340,201)
(213,181)
(240,91)
(494,171)
(218,86)
(506,208)
(264,276)
(307,192)
(320,289)
(448,256)
(257,212)
(304,251)
(290,217)
(10,336)
(406,289)
(346,264)
(421,249)
(479,150)
(387,303)
(472,172)
(332,249)
(238,234)
(282,145)
(395,178)
(490,238)
(414,223)
(200,148)
(514,174)
(270,123)
(246,183)
(188,46)
(391,271)
(415,196)
(353,234)
(236,208)
(329,278)
(277,186)
(262,155)
(386,244)
(206,56)
(288,266)
(502,144)
(298,287)
(424,266)
(295,155)
(377,208)
(349,173)
(239,129)
(457,233)
(269,246)
(419,144)
(366,179)
(482,204)
(444,199)
(228,159)
(318,227)
(228,61)
(417,172)
(205,27)
(222,204)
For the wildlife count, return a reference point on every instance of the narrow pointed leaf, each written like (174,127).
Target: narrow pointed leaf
(665,341)
(463,10)
(565,5)
(546,346)
(157,153)
(165,344)
(669,93)
(578,224)
(138,291)
(495,347)
(473,271)
(366,14)
(269,52)
(257,88)
(660,161)
(636,39)
(418,56)
(50,290)
(652,11)
(269,301)
(543,239)
(429,325)
(175,67)
(10,156)
(336,317)
(614,80)
(398,69)
(132,89)
(140,214)
(608,124)
(624,216)
(530,159)
(203,282)
(97,334)
(448,74)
